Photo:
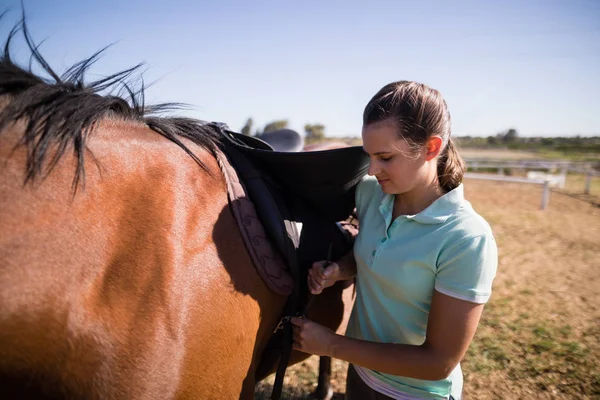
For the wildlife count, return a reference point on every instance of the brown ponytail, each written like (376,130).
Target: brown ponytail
(450,168)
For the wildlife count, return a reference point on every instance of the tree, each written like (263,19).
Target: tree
(247,129)
(547,141)
(510,136)
(276,125)
(314,132)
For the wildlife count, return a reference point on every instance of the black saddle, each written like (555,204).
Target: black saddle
(315,189)
(326,180)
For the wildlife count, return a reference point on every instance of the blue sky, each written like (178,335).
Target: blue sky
(532,65)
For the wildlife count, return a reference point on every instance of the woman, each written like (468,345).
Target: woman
(424,260)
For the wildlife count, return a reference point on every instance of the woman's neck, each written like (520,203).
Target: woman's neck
(418,199)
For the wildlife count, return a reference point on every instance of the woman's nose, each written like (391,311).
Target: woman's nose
(373,169)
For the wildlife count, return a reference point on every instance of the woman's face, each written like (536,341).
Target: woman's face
(397,167)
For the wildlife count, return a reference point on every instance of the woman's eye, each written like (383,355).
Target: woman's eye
(385,158)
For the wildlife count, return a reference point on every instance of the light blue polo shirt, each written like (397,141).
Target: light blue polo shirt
(447,247)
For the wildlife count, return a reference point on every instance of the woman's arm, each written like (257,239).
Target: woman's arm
(451,326)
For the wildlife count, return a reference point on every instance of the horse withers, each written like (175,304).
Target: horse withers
(123,273)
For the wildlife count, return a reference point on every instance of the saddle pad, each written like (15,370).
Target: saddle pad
(268,262)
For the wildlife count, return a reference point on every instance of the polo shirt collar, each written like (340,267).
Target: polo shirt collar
(437,212)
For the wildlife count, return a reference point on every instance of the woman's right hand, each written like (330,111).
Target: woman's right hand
(321,276)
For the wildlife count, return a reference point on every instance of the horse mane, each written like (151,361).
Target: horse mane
(60,112)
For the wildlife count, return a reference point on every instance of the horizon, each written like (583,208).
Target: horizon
(532,67)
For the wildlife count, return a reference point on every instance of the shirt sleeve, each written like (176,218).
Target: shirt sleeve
(466,271)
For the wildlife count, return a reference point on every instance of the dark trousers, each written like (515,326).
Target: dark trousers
(357,389)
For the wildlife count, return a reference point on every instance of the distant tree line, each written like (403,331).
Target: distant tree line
(507,139)
(510,139)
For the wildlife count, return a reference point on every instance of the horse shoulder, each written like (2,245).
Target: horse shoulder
(141,276)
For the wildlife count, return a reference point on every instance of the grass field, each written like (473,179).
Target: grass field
(540,333)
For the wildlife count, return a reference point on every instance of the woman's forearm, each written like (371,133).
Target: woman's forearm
(347,266)
(419,362)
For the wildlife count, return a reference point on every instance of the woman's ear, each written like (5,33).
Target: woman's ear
(433,147)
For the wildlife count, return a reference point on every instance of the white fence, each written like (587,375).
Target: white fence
(539,172)
(534,168)
(557,180)
(491,177)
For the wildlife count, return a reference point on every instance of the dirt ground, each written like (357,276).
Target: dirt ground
(539,337)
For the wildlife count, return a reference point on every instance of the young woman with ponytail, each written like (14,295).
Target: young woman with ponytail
(424,260)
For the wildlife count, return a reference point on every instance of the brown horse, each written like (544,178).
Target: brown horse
(123,274)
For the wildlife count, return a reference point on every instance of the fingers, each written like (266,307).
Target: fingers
(331,271)
(315,288)
(297,346)
(298,325)
(320,277)
(316,272)
(315,282)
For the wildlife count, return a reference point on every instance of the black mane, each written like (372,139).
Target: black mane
(61,111)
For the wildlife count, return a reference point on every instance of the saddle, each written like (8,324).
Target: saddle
(289,207)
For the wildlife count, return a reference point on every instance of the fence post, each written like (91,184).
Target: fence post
(546,194)
(563,177)
(588,183)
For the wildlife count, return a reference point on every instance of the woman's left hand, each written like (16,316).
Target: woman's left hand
(312,338)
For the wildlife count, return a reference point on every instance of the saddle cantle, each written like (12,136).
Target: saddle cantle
(286,140)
